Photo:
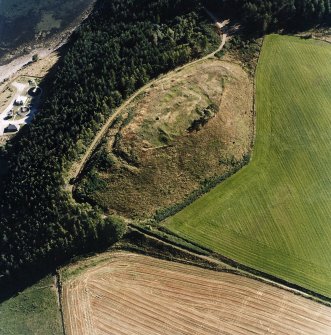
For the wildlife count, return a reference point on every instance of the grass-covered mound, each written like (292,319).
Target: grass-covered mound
(189,127)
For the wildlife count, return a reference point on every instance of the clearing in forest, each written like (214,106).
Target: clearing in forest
(275,214)
(138,295)
(189,126)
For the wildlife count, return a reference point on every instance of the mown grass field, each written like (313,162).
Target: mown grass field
(275,214)
(34,311)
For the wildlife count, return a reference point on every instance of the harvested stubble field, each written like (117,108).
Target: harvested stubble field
(191,125)
(138,295)
(274,215)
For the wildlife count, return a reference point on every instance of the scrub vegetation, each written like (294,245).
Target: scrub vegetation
(189,128)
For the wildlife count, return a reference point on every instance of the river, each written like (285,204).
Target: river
(29,24)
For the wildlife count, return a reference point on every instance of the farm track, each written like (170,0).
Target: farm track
(219,262)
(77,168)
(133,294)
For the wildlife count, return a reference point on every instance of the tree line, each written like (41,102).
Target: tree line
(266,16)
(119,48)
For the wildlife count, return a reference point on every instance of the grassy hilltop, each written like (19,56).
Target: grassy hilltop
(189,127)
(274,215)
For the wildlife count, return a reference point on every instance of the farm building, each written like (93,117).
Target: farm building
(11,128)
(21,100)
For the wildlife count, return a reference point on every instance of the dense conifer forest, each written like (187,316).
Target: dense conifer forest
(120,47)
(265,16)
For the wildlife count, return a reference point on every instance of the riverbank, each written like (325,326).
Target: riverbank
(16,60)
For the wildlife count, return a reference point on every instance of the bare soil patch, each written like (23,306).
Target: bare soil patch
(190,126)
(132,294)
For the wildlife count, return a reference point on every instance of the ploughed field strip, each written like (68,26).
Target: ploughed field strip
(138,295)
(275,214)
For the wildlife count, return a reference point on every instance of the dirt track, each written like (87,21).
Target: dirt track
(157,137)
(77,168)
(139,295)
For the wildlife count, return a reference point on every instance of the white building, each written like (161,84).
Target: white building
(21,100)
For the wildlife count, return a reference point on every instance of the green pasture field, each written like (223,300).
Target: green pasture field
(275,214)
(34,311)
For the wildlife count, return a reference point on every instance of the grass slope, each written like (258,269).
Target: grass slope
(151,161)
(274,215)
(32,312)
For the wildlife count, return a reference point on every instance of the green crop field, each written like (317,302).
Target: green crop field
(34,311)
(275,214)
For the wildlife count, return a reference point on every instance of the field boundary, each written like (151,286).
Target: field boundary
(162,249)
(179,253)
(254,99)
(115,275)
(211,183)
(241,269)
(58,284)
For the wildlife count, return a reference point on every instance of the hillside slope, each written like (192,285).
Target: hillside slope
(190,127)
(136,41)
